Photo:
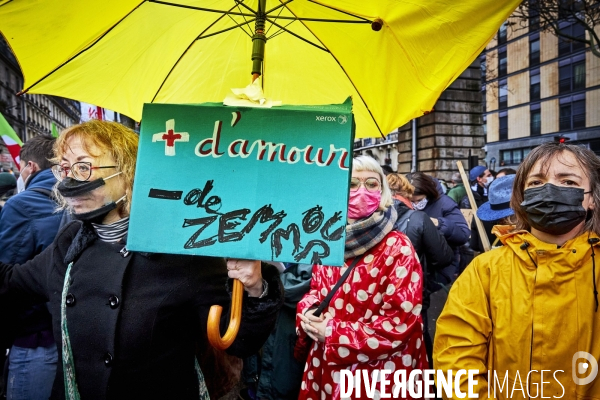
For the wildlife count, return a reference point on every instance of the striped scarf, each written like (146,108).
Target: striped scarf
(367,233)
(112,232)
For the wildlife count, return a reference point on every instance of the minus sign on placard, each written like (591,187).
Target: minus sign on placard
(165,194)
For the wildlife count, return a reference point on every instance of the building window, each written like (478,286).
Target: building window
(568,46)
(535,120)
(534,21)
(502,62)
(483,66)
(505,157)
(502,33)
(502,94)
(534,85)
(534,50)
(572,112)
(503,127)
(571,74)
(514,156)
(483,96)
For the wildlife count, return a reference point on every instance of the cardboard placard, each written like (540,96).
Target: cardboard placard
(267,184)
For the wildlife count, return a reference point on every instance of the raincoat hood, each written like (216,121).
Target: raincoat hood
(525,306)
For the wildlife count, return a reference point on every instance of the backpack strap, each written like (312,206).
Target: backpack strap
(339,283)
(404,221)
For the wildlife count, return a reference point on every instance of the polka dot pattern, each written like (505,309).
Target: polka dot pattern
(401,272)
(376,319)
(407,306)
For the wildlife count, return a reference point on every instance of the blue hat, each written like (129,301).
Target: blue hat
(499,194)
(476,171)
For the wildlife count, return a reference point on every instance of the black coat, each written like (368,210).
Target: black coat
(428,241)
(134,319)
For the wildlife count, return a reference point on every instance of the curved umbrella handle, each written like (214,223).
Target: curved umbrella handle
(214,319)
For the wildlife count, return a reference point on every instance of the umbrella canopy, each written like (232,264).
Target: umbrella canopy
(120,54)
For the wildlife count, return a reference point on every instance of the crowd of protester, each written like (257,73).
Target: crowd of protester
(137,322)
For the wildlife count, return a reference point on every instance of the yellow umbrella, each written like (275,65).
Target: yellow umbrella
(394,57)
(120,54)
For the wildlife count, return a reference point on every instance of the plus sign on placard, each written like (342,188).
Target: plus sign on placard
(170,137)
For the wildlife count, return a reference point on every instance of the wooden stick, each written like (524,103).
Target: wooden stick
(482,233)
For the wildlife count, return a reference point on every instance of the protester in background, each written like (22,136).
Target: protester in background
(401,189)
(28,224)
(280,373)
(387,169)
(458,192)
(374,320)
(504,172)
(8,184)
(443,185)
(128,323)
(480,178)
(495,211)
(532,304)
(431,246)
(446,215)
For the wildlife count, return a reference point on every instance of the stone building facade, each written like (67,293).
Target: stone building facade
(29,114)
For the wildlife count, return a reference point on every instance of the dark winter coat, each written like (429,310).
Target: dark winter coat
(451,224)
(281,373)
(428,242)
(133,318)
(28,224)
(480,198)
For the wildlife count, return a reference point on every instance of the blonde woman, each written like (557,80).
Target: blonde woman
(373,321)
(127,324)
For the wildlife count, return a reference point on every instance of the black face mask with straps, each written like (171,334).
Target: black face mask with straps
(70,187)
(552,209)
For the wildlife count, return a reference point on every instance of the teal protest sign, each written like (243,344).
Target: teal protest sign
(268,184)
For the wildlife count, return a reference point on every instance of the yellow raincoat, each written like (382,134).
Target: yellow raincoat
(505,315)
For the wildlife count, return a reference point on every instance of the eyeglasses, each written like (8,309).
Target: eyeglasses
(82,171)
(371,184)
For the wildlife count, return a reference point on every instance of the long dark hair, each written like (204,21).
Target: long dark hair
(544,154)
(424,184)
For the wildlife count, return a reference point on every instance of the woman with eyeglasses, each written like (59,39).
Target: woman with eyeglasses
(128,324)
(373,321)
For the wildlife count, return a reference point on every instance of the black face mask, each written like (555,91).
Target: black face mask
(70,187)
(554,209)
(96,216)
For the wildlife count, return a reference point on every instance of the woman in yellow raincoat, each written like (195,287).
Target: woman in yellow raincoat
(525,315)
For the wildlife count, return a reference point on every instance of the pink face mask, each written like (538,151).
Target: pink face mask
(363,203)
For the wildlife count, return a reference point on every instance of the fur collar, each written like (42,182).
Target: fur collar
(84,238)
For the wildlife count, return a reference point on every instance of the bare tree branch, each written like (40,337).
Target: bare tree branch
(552,14)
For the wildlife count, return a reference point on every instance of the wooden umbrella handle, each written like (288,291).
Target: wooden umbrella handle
(214,319)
